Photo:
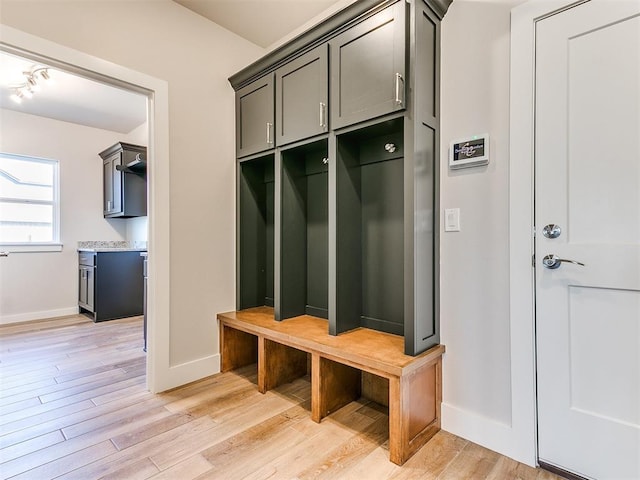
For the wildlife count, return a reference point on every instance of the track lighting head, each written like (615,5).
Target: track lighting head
(31,83)
(16,96)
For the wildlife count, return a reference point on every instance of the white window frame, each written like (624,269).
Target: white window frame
(54,245)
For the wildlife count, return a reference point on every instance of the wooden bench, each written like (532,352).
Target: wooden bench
(361,362)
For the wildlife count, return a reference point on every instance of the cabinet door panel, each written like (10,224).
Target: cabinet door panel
(255,117)
(117,184)
(302,89)
(90,288)
(368,68)
(82,286)
(107,184)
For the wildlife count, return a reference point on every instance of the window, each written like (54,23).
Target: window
(29,201)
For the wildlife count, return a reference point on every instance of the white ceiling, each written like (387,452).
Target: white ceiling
(74,99)
(262,22)
(71,98)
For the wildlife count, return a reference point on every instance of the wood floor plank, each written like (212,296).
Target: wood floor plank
(75,406)
(192,467)
(133,454)
(141,469)
(430,463)
(473,461)
(29,446)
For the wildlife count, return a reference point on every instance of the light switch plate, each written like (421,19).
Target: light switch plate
(452,220)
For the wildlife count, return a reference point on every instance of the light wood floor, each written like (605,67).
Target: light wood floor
(73,405)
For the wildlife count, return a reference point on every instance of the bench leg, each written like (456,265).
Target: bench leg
(333,385)
(278,364)
(414,410)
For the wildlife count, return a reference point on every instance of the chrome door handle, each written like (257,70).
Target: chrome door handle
(4,254)
(269,141)
(552,261)
(399,79)
(323,116)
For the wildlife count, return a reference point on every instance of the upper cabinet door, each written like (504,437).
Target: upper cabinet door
(368,68)
(302,90)
(254,117)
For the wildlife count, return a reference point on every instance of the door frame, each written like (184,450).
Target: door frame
(521,209)
(157,91)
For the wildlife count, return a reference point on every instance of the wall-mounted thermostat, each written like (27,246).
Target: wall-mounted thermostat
(469,152)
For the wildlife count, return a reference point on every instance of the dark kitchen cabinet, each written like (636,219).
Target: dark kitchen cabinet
(111,284)
(124,181)
(302,90)
(342,222)
(86,283)
(255,117)
(368,68)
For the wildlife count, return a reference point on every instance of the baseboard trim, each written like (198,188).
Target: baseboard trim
(494,435)
(41,315)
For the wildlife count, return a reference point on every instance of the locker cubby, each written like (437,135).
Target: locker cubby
(304,231)
(255,232)
(370,229)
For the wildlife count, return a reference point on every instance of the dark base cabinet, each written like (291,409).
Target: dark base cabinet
(111,285)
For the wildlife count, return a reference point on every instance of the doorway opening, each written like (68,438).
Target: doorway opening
(155,93)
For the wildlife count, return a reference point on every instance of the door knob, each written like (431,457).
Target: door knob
(551,231)
(552,261)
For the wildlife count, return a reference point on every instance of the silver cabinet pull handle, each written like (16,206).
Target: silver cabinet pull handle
(399,97)
(4,254)
(323,115)
(269,141)
(552,261)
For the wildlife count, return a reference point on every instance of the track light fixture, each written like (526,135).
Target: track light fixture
(31,84)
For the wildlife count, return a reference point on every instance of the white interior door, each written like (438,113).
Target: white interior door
(587,170)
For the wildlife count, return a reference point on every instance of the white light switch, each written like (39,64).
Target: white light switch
(452,220)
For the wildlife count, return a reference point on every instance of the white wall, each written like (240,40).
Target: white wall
(478,394)
(42,285)
(166,41)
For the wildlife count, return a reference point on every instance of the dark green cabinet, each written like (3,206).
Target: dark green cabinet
(339,220)
(302,91)
(368,68)
(124,181)
(255,125)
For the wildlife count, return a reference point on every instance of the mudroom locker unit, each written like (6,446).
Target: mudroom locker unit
(337,148)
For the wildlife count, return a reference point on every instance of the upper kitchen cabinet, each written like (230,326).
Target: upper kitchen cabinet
(302,90)
(368,68)
(124,181)
(255,117)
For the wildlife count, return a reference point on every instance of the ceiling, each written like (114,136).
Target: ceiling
(71,98)
(262,22)
(75,99)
